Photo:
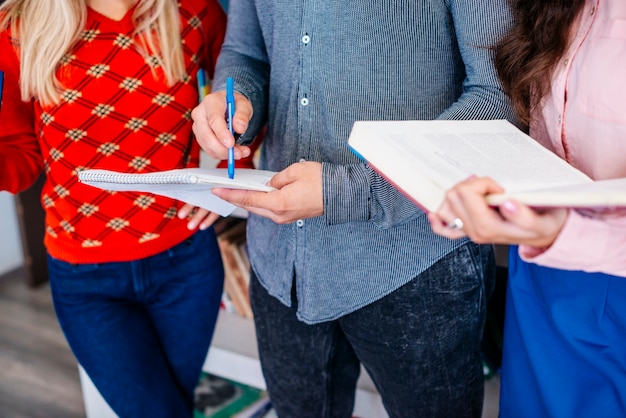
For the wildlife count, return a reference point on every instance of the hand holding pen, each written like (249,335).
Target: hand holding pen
(211,127)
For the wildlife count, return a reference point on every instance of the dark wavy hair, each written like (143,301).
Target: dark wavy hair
(526,57)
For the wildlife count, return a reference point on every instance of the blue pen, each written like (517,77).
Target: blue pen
(230,113)
(203,85)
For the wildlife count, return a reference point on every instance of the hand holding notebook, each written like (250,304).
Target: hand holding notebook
(189,185)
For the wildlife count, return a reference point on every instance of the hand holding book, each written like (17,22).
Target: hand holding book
(519,191)
(509,223)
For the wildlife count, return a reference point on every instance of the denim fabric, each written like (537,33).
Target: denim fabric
(420,344)
(142,329)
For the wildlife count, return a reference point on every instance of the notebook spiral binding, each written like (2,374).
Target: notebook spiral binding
(132,178)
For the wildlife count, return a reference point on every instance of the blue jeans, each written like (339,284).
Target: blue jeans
(141,329)
(420,344)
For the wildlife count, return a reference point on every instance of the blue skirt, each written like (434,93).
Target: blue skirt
(564,350)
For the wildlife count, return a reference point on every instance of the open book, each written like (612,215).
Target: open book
(189,185)
(426,158)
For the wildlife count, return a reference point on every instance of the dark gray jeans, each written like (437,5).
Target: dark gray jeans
(420,344)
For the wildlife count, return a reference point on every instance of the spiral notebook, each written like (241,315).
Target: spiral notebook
(189,185)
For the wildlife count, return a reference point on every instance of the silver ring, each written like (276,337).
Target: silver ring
(457,223)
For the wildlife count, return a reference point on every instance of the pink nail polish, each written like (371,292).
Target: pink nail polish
(509,206)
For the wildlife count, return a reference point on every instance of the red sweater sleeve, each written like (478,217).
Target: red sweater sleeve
(20,158)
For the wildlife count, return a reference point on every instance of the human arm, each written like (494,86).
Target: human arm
(479,26)
(476,27)
(358,76)
(588,243)
(242,57)
(20,158)
(302,193)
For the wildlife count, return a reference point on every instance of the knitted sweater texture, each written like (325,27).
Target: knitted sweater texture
(117,113)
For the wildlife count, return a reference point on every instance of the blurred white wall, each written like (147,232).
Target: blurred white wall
(11,255)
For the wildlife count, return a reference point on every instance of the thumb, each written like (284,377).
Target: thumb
(285,177)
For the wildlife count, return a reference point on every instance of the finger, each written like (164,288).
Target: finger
(243,113)
(467,201)
(283,178)
(209,126)
(519,214)
(241,151)
(196,218)
(526,218)
(219,126)
(185,211)
(253,202)
(207,139)
(293,173)
(484,224)
(274,217)
(449,215)
(209,220)
(440,227)
(541,228)
(467,198)
(247,199)
(241,118)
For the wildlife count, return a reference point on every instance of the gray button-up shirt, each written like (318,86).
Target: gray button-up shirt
(313,67)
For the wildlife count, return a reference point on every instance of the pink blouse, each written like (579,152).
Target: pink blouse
(583,120)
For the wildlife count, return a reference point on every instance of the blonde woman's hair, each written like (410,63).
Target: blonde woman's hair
(46,30)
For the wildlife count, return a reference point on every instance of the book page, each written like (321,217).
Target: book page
(454,152)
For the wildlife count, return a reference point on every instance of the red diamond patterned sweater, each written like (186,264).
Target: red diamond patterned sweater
(117,113)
